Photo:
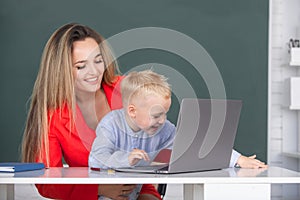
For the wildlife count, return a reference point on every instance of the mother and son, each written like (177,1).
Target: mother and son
(77,86)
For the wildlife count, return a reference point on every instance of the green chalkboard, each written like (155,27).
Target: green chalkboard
(233,33)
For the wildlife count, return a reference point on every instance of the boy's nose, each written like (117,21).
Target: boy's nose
(161,119)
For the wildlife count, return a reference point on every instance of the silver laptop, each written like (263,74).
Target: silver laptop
(205,134)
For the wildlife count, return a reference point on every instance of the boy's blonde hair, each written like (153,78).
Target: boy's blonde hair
(144,83)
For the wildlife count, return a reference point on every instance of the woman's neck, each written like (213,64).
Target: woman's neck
(83,98)
(93,107)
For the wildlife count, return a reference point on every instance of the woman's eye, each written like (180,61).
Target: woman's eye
(80,67)
(98,61)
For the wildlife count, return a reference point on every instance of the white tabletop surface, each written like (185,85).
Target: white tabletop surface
(83,175)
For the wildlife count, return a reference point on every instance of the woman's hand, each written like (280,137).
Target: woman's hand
(250,162)
(116,192)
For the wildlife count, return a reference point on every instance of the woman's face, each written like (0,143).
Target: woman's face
(88,65)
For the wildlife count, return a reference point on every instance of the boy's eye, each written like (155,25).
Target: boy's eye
(158,116)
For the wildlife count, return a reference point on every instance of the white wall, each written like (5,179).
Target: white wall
(283,122)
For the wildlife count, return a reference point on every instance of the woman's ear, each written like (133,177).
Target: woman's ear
(131,110)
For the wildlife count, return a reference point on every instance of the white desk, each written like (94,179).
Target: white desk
(221,184)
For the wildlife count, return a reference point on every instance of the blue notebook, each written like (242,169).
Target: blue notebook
(12,167)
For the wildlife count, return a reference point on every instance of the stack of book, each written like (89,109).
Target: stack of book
(12,167)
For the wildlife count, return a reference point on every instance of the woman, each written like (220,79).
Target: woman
(75,87)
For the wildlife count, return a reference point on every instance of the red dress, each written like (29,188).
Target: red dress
(74,144)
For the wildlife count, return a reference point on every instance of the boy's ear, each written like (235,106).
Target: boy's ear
(131,110)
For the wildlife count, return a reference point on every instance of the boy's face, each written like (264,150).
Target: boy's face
(149,113)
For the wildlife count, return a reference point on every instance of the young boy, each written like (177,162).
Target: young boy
(135,134)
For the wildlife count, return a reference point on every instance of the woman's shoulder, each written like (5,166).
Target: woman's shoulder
(113,93)
(62,111)
(114,84)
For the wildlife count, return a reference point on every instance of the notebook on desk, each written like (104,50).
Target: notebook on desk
(205,134)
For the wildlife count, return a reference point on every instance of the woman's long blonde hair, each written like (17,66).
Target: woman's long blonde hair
(54,86)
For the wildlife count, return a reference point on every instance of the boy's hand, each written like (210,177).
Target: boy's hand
(136,155)
(250,162)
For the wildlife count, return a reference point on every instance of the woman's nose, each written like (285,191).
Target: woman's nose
(93,69)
